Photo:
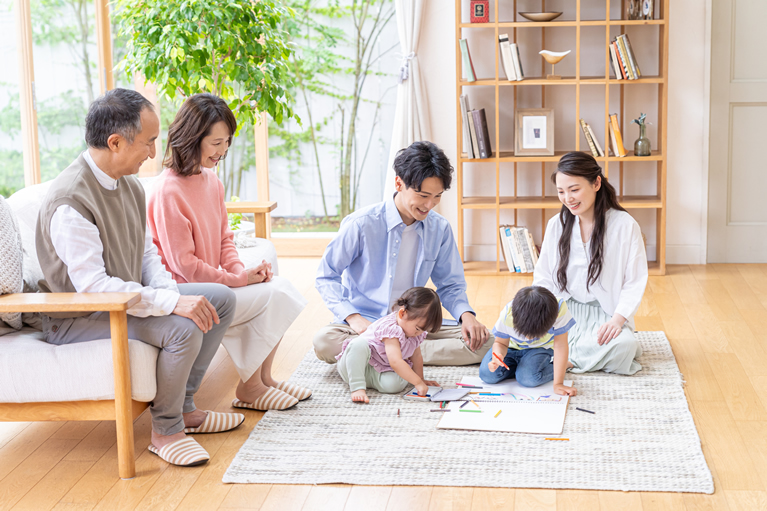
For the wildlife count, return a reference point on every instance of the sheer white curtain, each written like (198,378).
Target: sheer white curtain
(411,117)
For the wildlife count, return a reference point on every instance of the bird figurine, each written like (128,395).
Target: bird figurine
(553,57)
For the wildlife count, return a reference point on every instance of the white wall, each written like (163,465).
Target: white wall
(687,128)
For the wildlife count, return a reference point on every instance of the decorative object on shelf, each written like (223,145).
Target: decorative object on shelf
(540,16)
(640,9)
(480,11)
(534,132)
(642,144)
(553,57)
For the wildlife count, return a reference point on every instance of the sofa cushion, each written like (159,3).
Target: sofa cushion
(33,371)
(26,205)
(10,262)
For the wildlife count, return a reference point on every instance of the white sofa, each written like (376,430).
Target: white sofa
(32,371)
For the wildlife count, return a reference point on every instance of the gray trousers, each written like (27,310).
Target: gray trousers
(445,348)
(185,352)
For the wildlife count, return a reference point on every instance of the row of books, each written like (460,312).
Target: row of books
(512,64)
(623,60)
(476,137)
(616,139)
(519,250)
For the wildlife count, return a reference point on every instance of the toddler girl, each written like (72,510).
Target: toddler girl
(387,356)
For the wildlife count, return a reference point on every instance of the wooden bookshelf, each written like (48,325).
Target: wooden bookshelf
(614,168)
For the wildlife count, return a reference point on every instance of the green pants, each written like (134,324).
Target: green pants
(355,369)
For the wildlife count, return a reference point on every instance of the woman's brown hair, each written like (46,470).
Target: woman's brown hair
(193,123)
(579,164)
(422,302)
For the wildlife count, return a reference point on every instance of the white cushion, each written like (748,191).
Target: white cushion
(31,370)
(26,205)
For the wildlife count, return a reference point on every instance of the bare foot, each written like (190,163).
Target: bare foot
(360,396)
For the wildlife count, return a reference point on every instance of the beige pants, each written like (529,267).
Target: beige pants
(445,348)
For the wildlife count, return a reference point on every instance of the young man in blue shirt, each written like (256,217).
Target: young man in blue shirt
(384,249)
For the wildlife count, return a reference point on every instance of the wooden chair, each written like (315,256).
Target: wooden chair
(122,408)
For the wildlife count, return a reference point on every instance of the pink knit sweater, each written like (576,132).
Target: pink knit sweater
(188,221)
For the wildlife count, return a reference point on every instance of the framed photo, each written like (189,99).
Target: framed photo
(534,132)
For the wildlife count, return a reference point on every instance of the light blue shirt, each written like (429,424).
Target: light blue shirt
(357,269)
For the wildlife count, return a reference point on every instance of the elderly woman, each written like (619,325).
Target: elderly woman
(189,224)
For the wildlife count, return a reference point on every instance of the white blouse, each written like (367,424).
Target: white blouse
(624,271)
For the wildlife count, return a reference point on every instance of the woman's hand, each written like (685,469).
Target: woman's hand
(564,390)
(261,273)
(610,330)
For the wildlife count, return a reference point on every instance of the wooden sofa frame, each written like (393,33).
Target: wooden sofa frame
(122,409)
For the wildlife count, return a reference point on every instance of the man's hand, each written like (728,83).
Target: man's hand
(564,390)
(199,310)
(358,323)
(474,332)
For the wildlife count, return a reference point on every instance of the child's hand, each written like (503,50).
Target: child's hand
(431,383)
(422,389)
(493,365)
(564,390)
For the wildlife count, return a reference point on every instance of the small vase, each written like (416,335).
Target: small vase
(642,144)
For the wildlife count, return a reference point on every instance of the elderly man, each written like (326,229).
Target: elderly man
(92,237)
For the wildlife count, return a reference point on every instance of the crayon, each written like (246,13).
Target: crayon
(500,360)
(582,410)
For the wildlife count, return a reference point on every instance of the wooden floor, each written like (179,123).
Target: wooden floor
(714,315)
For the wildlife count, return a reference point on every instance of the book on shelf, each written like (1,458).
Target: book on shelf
(524,247)
(587,134)
(619,61)
(533,248)
(466,63)
(506,60)
(594,139)
(514,258)
(632,57)
(623,52)
(483,135)
(473,135)
(467,147)
(615,63)
(505,249)
(616,131)
(517,62)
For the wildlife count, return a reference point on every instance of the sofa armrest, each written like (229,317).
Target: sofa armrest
(116,304)
(68,302)
(260,211)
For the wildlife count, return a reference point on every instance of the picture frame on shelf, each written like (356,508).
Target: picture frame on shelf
(534,132)
(480,11)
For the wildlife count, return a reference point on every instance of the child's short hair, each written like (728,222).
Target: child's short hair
(422,302)
(534,309)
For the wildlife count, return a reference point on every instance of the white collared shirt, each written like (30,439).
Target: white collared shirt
(620,286)
(78,245)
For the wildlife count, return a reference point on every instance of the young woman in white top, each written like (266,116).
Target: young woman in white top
(594,257)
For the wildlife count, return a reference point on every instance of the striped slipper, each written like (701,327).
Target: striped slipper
(217,422)
(184,453)
(273,399)
(294,390)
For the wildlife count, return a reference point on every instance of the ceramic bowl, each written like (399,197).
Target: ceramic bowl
(540,16)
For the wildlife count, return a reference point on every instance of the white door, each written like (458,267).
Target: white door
(737,202)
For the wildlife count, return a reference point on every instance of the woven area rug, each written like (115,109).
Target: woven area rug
(642,437)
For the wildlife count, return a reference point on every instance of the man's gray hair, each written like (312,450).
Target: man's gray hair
(116,112)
